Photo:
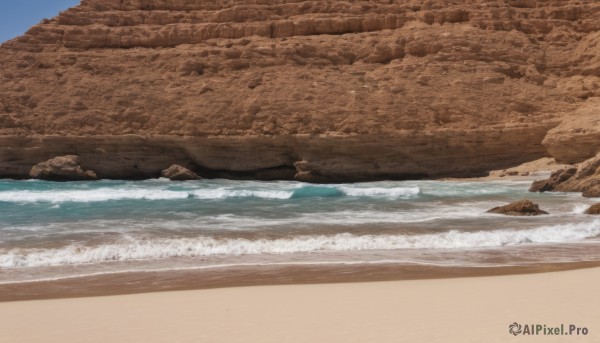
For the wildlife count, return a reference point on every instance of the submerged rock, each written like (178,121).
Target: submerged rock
(594,209)
(61,168)
(179,173)
(519,208)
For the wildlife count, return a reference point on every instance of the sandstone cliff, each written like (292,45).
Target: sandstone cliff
(320,90)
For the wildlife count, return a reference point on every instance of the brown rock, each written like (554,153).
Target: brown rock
(61,168)
(592,192)
(578,136)
(585,178)
(519,208)
(540,186)
(384,90)
(179,173)
(594,209)
(556,178)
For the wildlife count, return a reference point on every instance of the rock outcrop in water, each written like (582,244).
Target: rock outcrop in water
(179,173)
(585,178)
(592,192)
(594,209)
(317,90)
(556,178)
(519,208)
(61,168)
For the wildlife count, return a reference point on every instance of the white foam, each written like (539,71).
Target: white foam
(100,194)
(223,193)
(129,193)
(580,208)
(145,269)
(388,192)
(133,249)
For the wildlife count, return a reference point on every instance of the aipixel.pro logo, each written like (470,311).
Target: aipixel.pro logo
(516,329)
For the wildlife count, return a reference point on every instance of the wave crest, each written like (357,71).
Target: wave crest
(208,246)
(116,194)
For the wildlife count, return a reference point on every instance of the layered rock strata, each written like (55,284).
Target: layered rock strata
(310,158)
(320,90)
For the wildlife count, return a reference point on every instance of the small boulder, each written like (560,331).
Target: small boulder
(594,209)
(540,186)
(518,208)
(61,168)
(179,173)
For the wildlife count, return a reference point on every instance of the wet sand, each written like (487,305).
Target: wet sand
(471,309)
(196,279)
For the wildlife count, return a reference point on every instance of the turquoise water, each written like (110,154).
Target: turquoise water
(52,229)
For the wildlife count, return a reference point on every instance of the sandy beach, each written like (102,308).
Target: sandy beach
(473,309)
(186,171)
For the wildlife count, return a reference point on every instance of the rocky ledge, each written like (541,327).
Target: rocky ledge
(584,178)
(318,90)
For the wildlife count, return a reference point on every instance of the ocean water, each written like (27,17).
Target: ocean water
(53,230)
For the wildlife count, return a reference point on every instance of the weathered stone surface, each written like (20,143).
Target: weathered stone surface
(577,138)
(594,209)
(592,192)
(464,86)
(179,173)
(555,179)
(329,158)
(585,178)
(61,168)
(518,208)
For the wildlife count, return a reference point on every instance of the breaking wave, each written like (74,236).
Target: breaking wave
(112,194)
(153,249)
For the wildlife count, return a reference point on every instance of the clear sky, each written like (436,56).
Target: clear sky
(17,16)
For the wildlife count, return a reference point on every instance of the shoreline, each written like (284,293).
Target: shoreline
(134,282)
(113,284)
(466,309)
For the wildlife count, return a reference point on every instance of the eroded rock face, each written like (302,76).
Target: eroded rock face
(519,208)
(61,168)
(585,178)
(576,138)
(555,179)
(481,80)
(179,173)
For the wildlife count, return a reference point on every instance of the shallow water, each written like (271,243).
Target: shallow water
(54,230)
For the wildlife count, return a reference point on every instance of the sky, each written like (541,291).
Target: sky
(17,16)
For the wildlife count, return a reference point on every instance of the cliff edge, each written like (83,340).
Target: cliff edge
(316,90)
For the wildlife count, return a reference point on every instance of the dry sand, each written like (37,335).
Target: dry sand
(443,310)
(529,171)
